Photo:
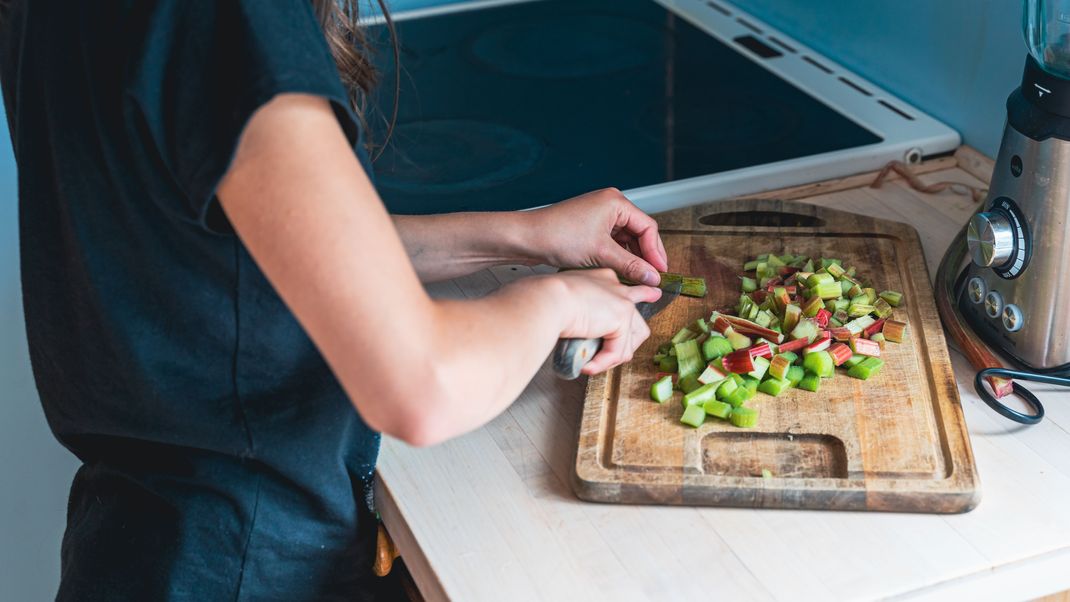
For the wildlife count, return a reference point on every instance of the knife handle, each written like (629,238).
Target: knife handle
(571,355)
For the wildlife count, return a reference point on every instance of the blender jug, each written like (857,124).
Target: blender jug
(1046,26)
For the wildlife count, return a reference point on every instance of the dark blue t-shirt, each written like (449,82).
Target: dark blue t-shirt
(221,459)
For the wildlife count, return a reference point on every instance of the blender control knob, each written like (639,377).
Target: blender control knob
(991,239)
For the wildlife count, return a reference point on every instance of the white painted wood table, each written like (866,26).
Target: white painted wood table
(491,515)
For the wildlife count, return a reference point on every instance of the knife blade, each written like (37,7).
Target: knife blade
(571,355)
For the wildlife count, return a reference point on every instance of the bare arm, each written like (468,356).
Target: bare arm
(454,244)
(415,368)
(601,228)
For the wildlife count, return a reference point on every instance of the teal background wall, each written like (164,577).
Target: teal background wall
(956,59)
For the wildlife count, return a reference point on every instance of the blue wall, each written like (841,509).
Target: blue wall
(955,59)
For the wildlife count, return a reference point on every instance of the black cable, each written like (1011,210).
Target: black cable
(1026,395)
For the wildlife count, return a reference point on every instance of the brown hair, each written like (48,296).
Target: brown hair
(352,53)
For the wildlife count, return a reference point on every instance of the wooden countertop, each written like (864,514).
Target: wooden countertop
(491,515)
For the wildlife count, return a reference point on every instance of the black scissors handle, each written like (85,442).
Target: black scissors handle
(1019,390)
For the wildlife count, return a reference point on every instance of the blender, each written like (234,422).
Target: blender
(1014,294)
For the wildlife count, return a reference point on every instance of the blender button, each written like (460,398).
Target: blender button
(993,304)
(1012,318)
(977,289)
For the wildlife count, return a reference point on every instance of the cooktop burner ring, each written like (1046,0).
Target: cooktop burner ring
(567,46)
(450,156)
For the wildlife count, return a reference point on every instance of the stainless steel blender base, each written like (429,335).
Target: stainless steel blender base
(1021,303)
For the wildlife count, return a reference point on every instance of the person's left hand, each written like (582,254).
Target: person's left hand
(600,229)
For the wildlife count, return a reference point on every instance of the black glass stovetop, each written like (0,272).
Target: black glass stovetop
(531,103)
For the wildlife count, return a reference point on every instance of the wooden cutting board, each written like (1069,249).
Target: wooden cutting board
(896,442)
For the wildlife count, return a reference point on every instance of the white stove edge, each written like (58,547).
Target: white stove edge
(879,111)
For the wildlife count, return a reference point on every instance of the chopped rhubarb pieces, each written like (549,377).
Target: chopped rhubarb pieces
(812,306)
(873,328)
(792,315)
(840,353)
(841,333)
(818,345)
(753,329)
(794,345)
(894,330)
(713,373)
(779,366)
(762,350)
(820,363)
(740,362)
(865,347)
(822,317)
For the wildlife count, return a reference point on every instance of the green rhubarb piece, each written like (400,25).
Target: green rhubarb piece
(688,383)
(893,298)
(718,409)
(795,374)
(749,285)
(806,329)
(792,316)
(737,397)
(693,416)
(750,266)
(750,384)
(761,366)
(818,278)
(684,334)
(701,395)
(766,473)
(774,261)
(846,286)
(661,389)
(778,368)
(715,347)
(826,263)
(738,340)
(791,355)
(836,270)
(881,309)
(668,364)
(820,363)
(738,378)
(871,366)
(871,295)
(701,326)
(744,417)
(858,310)
(827,290)
(726,388)
(810,382)
(774,386)
(689,357)
(853,361)
(764,318)
(812,306)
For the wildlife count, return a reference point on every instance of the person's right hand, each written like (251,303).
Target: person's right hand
(599,306)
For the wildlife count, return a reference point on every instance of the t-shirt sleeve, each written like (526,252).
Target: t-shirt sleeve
(204,67)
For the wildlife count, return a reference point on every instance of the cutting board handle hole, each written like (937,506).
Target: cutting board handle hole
(768,219)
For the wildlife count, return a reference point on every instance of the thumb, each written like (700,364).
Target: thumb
(630,266)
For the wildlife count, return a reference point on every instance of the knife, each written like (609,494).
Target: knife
(571,355)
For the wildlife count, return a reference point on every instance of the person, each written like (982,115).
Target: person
(223,316)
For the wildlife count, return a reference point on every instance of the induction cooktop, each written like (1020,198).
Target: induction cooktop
(520,103)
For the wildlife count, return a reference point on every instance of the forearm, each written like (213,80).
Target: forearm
(455,244)
(484,352)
